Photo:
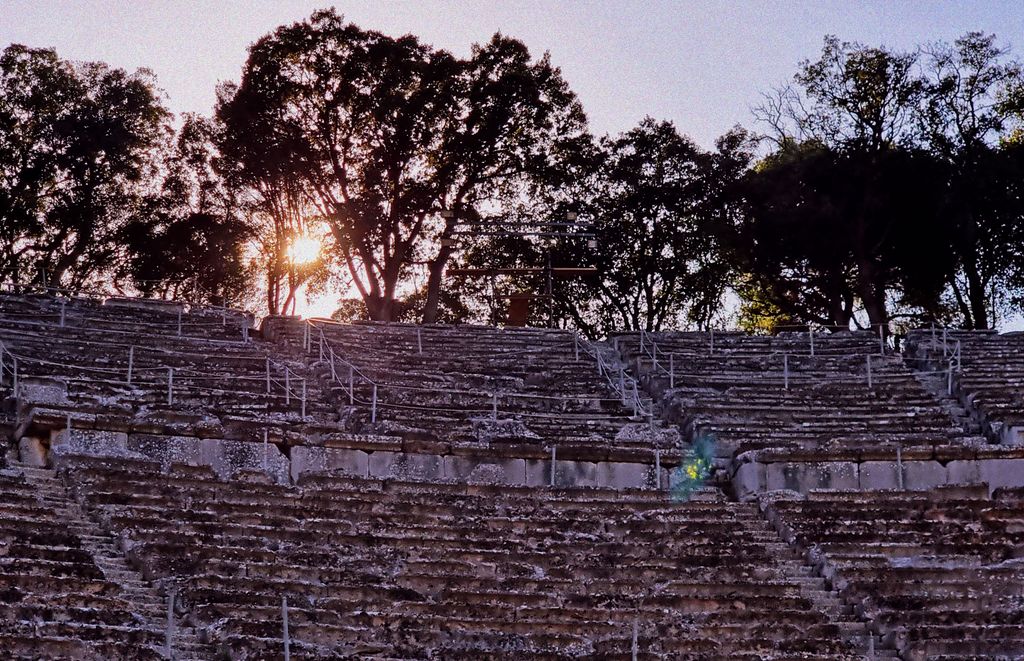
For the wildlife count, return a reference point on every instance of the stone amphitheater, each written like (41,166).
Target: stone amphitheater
(178,484)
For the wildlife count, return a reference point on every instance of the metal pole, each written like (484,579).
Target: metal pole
(168,649)
(303,398)
(419,341)
(131,362)
(869,371)
(351,387)
(268,375)
(373,406)
(899,467)
(657,469)
(622,384)
(284,619)
(552,479)
(641,340)
(494,406)
(654,356)
(266,445)
(949,380)
(812,341)
(321,347)
(62,314)
(14,371)
(287,386)
(179,323)
(785,370)
(671,370)
(170,385)
(2,363)
(881,339)
(944,349)
(67,428)
(636,645)
(334,373)
(712,340)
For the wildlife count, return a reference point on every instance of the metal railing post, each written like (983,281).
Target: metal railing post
(266,448)
(869,371)
(494,406)
(419,342)
(671,370)
(131,362)
(268,375)
(303,397)
(284,619)
(373,406)
(899,467)
(351,386)
(657,469)
(812,341)
(944,347)
(2,349)
(62,303)
(170,386)
(321,347)
(654,356)
(881,340)
(287,386)
(14,375)
(949,380)
(179,323)
(168,648)
(785,370)
(334,373)
(551,482)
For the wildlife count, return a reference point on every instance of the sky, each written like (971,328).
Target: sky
(700,63)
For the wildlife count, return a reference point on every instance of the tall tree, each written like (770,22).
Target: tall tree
(78,146)
(190,239)
(391,133)
(975,99)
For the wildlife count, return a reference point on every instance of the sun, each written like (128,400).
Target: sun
(303,250)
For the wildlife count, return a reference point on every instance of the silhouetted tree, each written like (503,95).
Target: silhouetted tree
(190,239)
(78,146)
(389,133)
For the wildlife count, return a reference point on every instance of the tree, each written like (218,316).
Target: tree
(655,208)
(859,104)
(78,146)
(190,239)
(975,94)
(389,133)
(821,228)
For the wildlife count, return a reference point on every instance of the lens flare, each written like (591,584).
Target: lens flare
(303,250)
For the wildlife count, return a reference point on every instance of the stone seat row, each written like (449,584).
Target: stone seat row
(450,559)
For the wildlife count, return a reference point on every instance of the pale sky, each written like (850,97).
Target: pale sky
(699,63)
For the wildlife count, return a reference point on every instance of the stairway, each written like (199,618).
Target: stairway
(146,599)
(855,631)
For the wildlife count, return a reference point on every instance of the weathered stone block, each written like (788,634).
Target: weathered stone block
(618,475)
(921,475)
(879,475)
(42,390)
(575,473)
(167,449)
(406,466)
(32,451)
(510,472)
(750,478)
(803,477)
(1012,435)
(1002,472)
(967,471)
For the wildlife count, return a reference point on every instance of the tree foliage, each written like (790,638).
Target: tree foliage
(389,132)
(76,156)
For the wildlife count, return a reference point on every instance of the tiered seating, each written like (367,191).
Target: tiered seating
(988,375)
(128,366)
(467,384)
(739,392)
(411,570)
(938,573)
(54,600)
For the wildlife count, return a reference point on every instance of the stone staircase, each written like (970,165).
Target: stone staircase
(827,600)
(148,600)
